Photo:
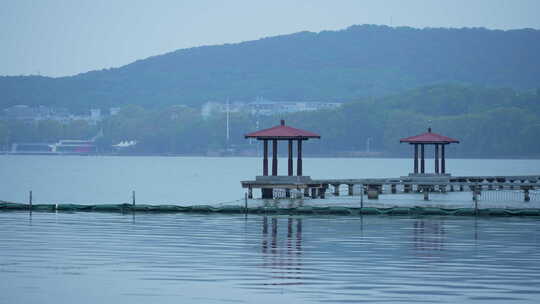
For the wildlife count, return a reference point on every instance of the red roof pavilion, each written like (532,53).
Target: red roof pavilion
(429,138)
(282,132)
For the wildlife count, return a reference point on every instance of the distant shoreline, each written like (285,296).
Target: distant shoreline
(326,155)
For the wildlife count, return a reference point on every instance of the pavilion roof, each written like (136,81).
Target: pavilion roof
(429,138)
(282,132)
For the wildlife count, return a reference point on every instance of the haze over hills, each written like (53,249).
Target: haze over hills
(341,65)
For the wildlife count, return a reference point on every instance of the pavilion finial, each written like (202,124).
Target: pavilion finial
(283,122)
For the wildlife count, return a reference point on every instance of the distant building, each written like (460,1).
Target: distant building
(114,111)
(31,114)
(267,107)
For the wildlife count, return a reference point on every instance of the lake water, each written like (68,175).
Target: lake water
(188,258)
(193,180)
(185,258)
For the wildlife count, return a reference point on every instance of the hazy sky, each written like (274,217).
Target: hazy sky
(58,38)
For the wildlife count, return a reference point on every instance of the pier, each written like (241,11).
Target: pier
(418,181)
(373,187)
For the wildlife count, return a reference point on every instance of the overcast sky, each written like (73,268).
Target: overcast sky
(58,38)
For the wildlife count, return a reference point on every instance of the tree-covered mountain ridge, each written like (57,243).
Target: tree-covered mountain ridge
(363,60)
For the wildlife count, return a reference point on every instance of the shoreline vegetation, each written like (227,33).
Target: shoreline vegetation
(488,122)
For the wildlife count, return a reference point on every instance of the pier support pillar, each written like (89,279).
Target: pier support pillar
(527,196)
(426,194)
(351,188)
(250,193)
(451,188)
(322,191)
(393,188)
(287,193)
(313,192)
(373,194)
(461,188)
(336,189)
(442,188)
(267,193)
(407,188)
(306,192)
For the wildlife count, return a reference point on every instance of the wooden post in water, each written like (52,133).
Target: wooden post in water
(133,198)
(426,193)
(475,199)
(30,201)
(245,202)
(361,196)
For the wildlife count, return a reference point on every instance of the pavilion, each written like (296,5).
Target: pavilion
(275,134)
(282,132)
(429,138)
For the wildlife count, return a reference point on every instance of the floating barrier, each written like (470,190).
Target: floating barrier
(236,209)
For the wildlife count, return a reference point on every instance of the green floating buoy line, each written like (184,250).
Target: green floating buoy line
(238,209)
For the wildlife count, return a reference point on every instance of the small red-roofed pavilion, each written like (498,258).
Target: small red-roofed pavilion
(429,138)
(282,132)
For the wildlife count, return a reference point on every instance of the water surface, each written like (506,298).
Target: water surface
(187,258)
(192,180)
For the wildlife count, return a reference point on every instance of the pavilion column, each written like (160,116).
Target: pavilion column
(265,157)
(437,158)
(422,163)
(290,171)
(415,158)
(274,157)
(443,161)
(299,159)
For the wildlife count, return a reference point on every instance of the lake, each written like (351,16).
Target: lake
(186,258)
(193,180)
(85,257)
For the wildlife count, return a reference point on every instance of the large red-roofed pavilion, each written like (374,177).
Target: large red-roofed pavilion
(282,132)
(429,138)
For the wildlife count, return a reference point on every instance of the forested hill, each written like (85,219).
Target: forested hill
(341,65)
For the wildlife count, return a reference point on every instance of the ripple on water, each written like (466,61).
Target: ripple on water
(87,257)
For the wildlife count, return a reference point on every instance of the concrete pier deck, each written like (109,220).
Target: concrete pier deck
(291,186)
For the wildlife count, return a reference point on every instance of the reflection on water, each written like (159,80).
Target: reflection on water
(172,258)
(285,263)
(428,235)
